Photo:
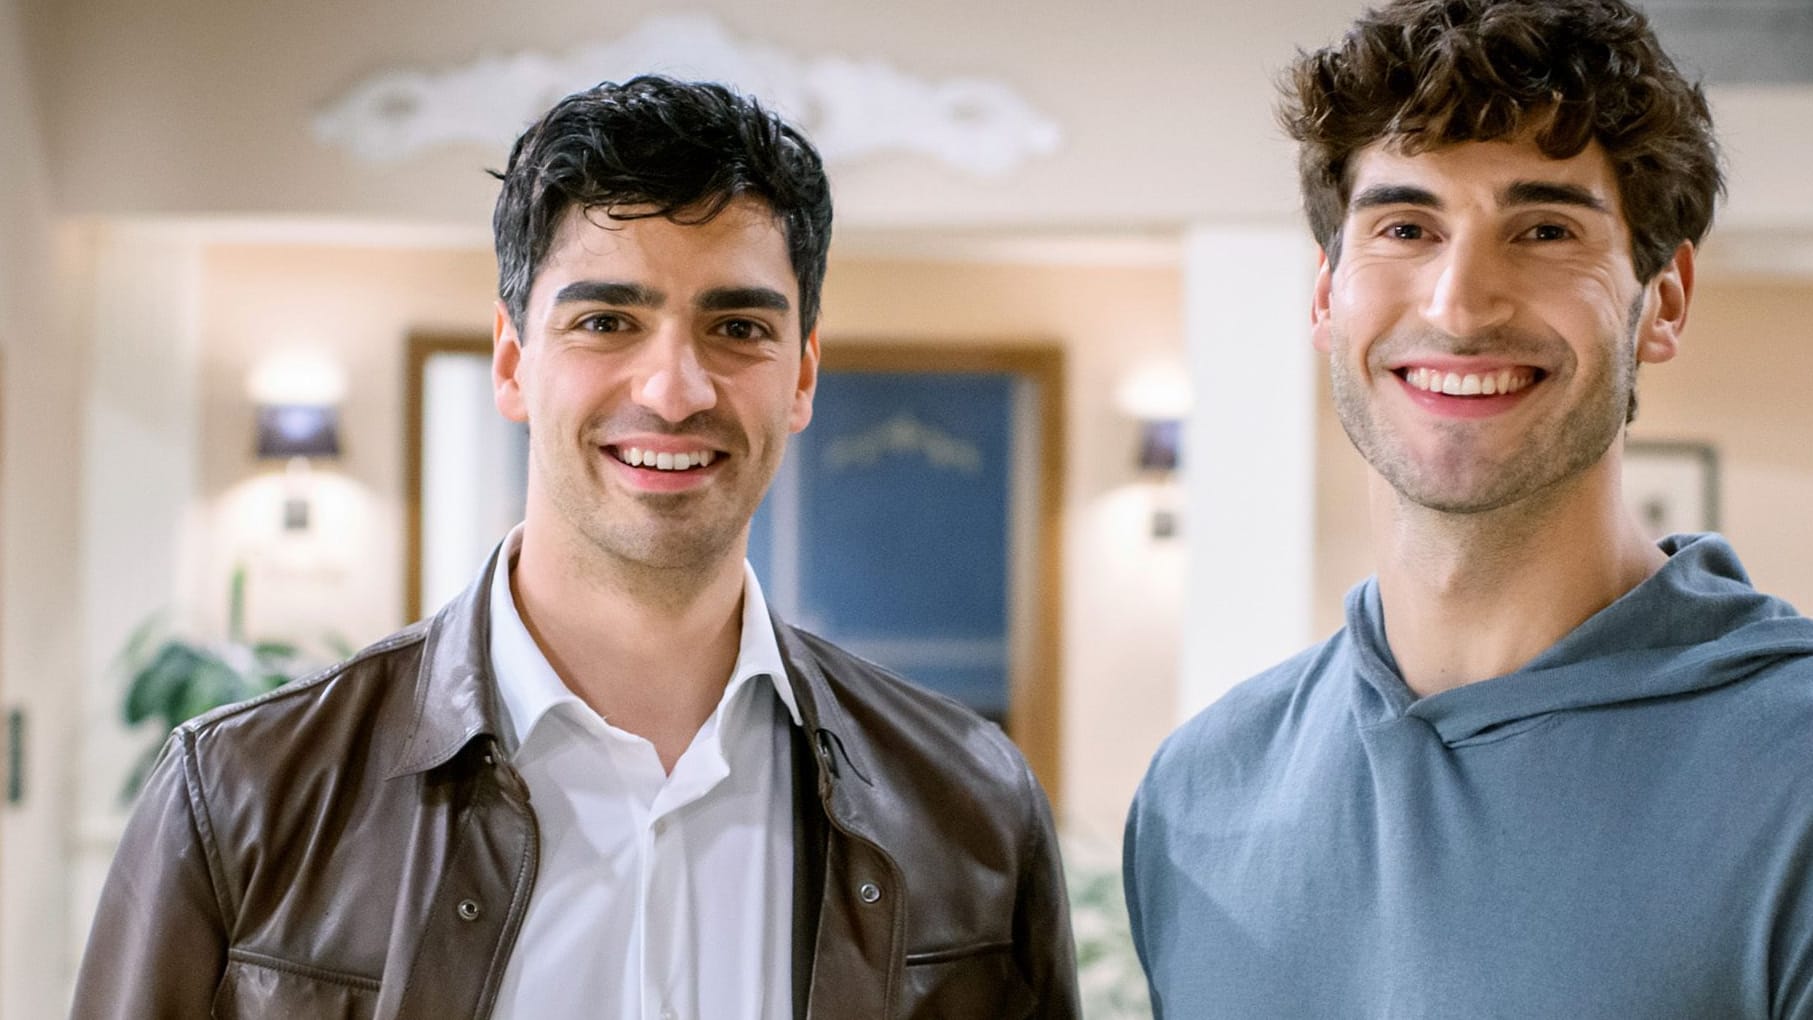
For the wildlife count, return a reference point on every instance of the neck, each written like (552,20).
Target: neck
(649,649)
(1468,597)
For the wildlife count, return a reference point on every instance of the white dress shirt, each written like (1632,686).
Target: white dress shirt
(658,896)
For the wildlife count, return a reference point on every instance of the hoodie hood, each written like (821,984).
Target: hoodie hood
(1694,625)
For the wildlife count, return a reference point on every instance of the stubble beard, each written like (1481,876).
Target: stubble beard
(678,536)
(1466,480)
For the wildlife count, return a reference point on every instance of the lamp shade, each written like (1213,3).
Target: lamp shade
(298,430)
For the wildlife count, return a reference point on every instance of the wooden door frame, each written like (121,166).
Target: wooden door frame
(1035,697)
(420,348)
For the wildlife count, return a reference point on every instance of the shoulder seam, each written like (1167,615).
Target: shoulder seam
(203,821)
(307,682)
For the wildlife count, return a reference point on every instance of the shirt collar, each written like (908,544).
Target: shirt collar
(529,687)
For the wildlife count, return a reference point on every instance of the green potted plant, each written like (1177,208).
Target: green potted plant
(172,680)
(1108,972)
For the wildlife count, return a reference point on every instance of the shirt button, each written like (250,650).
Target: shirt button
(870,892)
(668,1013)
(468,910)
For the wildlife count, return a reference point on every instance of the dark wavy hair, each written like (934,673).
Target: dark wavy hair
(1428,73)
(683,150)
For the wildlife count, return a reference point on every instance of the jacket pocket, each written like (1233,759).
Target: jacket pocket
(268,989)
(979,982)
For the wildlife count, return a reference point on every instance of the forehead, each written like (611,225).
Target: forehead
(1482,171)
(744,243)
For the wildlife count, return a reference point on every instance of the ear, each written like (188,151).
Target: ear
(1665,303)
(806,385)
(506,363)
(1318,306)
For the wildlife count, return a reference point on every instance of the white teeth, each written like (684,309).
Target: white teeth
(637,457)
(1508,380)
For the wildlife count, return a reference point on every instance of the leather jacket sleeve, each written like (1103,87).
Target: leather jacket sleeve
(1042,936)
(158,945)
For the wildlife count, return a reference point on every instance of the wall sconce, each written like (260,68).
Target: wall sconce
(1155,392)
(297,432)
(1159,442)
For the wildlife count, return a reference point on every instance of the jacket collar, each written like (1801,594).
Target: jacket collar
(821,713)
(455,693)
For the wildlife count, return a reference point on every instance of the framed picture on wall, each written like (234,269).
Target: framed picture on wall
(915,524)
(1672,487)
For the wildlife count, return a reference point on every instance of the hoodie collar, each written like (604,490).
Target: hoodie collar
(1693,625)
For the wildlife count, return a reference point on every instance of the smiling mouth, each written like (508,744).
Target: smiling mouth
(664,461)
(1471,384)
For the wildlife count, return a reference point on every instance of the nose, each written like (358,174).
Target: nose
(1469,294)
(671,381)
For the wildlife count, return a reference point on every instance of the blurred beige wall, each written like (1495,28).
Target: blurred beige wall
(348,310)
(1740,383)
(40,625)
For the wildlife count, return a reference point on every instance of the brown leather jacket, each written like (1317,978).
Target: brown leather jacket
(355,845)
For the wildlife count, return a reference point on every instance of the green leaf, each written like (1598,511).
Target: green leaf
(160,685)
(212,685)
(136,653)
(275,650)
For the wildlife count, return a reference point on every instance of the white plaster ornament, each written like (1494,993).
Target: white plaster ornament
(852,109)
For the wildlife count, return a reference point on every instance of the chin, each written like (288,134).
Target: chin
(677,548)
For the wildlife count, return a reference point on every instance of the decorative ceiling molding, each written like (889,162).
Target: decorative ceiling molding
(852,108)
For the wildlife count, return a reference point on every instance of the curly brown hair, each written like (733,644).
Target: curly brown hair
(1564,73)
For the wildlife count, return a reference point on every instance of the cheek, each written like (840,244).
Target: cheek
(1368,301)
(1595,316)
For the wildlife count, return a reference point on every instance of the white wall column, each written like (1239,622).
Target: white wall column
(138,470)
(1249,454)
(40,373)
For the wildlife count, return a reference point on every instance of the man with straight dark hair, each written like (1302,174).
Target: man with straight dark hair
(605,781)
(1549,768)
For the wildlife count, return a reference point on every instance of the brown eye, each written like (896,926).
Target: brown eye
(1404,232)
(744,329)
(601,323)
(1549,232)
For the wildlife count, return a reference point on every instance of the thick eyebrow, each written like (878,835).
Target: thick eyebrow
(1394,194)
(730,299)
(1550,193)
(629,295)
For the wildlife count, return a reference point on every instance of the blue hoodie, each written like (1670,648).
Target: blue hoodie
(1623,828)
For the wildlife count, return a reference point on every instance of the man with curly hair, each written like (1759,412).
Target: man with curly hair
(605,781)
(1549,768)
